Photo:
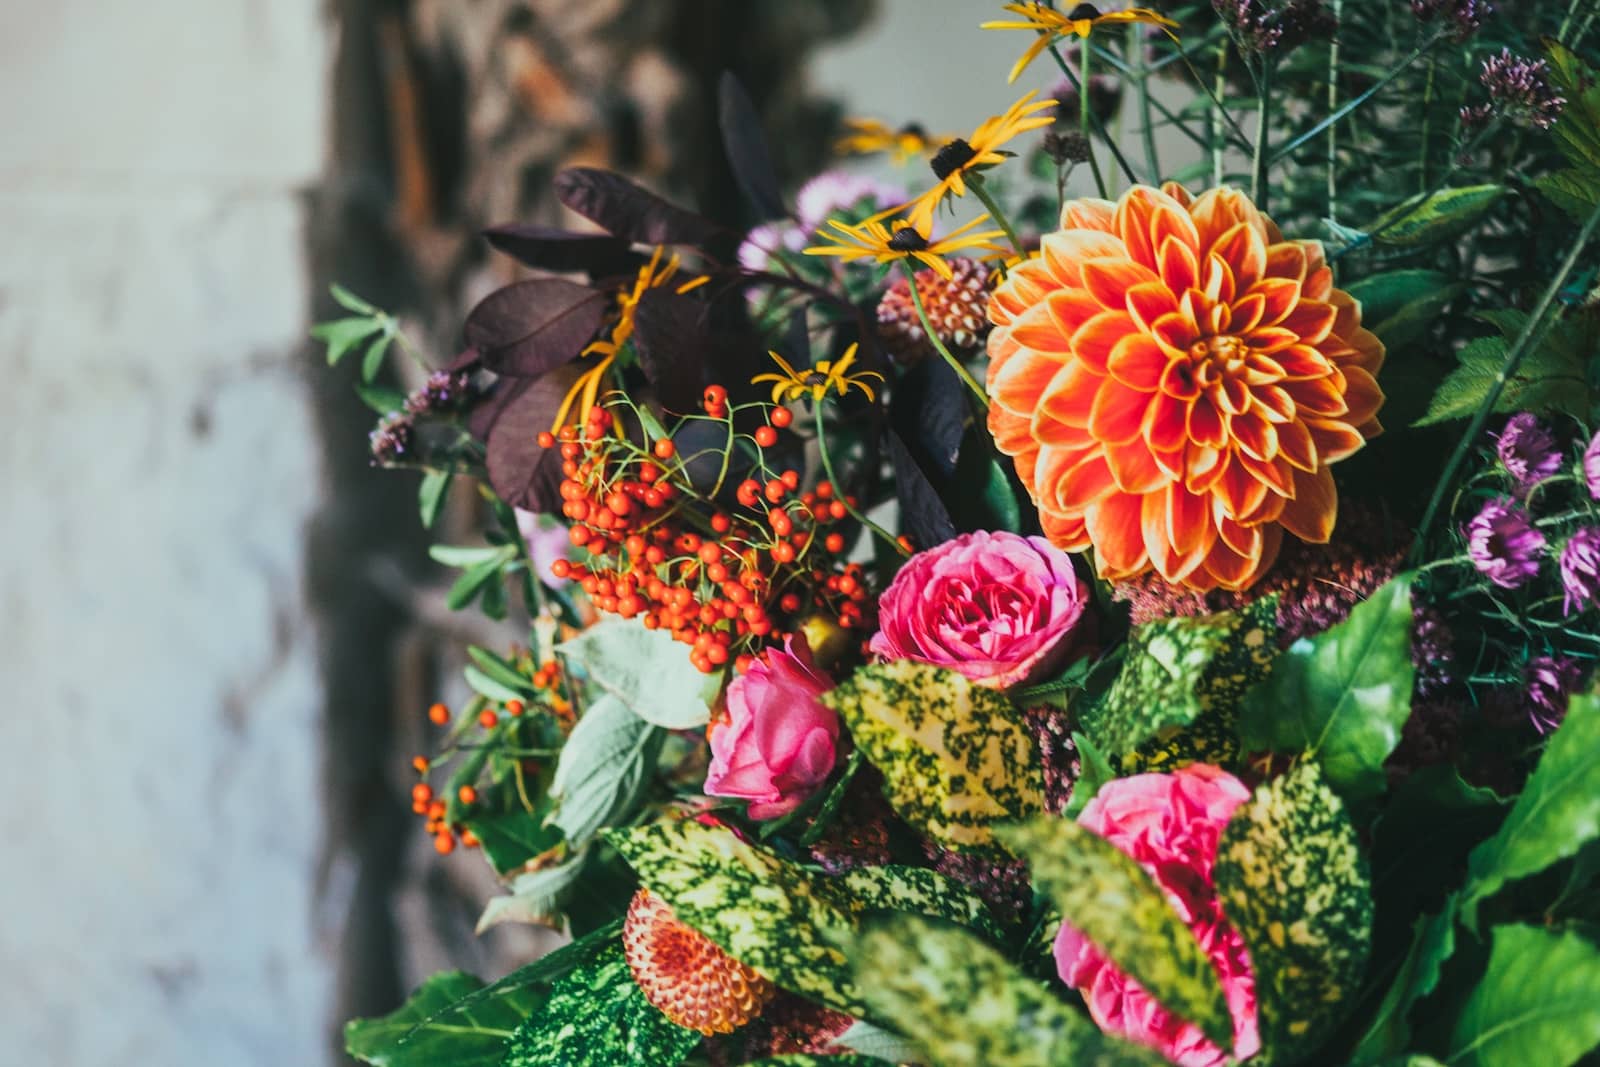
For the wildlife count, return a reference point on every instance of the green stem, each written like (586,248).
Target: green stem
(1213,132)
(1355,102)
(1525,341)
(1085,113)
(1258,167)
(1333,103)
(1427,114)
(938,345)
(839,487)
(976,184)
(1099,128)
(1221,88)
(1152,161)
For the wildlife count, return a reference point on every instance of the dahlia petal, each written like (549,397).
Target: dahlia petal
(1134,468)
(1169,460)
(1311,320)
(1178,380)
(1369,351)
(1178,265)
(1231,395)
(1114,527)
(1256,436)
(1318,284)
(1261,369)
(1150,302)
(1335,440)
(1242,248)
(1215,212)
(1311,514)
(1188,518)
(1206,466)
(1174,332)
(1245,313)
(1166,426)
(1132,222)
(1275,473)
(1094,340)
(1219,286)
(1026,284)
(1269,509)
(1178,193)
(1271,338)
(1068,398)
(1281,295)
(1286,259)
(1295,445)
(1037,329)
(1274,402)
(1231,569)
(1137,361)
(1066,531)
(1171,564)
(1169,220)
(1088,213)
(1245,540)
(1118,413)
(1070,309)
(1347,313)
(1065,251)
(1017,383)
(1108,280)
(1010,431)
(1362,395)
(1318,396)
(1081,485)
(1204,423)
(1300,362)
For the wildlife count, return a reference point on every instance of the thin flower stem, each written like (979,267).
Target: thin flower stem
(1355,102)
(1152,160)
(1333,103)
(839,488)
(1084,115)
(1215,96)
(976,184)
(1566,22)
(1525,341)
(933,339)
(1258,169)
(1099,129)
(1213,132)
(1427,113)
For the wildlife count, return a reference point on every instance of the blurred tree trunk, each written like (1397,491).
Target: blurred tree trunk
(449,116)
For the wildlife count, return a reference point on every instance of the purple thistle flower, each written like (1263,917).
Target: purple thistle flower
(1519,89)
(1503,544)
(444,392)
(1549,681)
(391,441)
(835,191)
(1262,26)
(1468,15)
(1527,451)
(1580,570)
(1591,466)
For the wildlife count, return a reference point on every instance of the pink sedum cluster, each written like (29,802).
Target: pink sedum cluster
(779,741)
(997,607)
(1170,823)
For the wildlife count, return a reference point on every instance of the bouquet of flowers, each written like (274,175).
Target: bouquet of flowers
(1070,609)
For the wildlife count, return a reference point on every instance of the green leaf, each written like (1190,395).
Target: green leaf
(910,889)
(500,670)
(810,1059)
(1171,675)
(471,583)
(1342,696)
(343,335)
(536,897)
(1294,883)
(1557,813)
(604,770)
(1109,898)
(397,1039)
(1444,214)
(597,1016)
(350,301)
(1538,1002)
(470,555)
(431,495)
(956,757)
(1552,377)
(1402,305)
(372,362)
(645,669)
(1095,771)
(512,837)
(983,497)
(877,1044)
(767,913)
(1433,941)
(1573,190)
(379,398)
(969,1007)
(487,686)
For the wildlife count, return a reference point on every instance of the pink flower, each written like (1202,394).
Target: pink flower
(1591,466)
(997,607)
(547,542)
(778,742)
(1170,823)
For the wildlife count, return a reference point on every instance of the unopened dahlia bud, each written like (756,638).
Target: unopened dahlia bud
(956,310)
(685,975)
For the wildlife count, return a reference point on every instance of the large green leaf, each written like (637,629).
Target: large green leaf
(1538,1002)
(1342,696)
(1558,811)
(956,757)
(1551,377)
(1294,883)
(604,769)
(1402,305)
(597,1016)
(1433,942)
(1111,900)
(1576,190)
(764,911)
(969,1007)
(810,1059)
(645,669)
(536,896)
(1441,215)
(909,889)
(473,1038)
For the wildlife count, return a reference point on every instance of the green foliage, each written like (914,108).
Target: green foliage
(646,670)
(1557,813)
(536,897)
(1552,377)
(432,492)
(1294,883)
(1401,306)
(875,1041)
(1094,771)
(808,1059)
(910,889)
(968,1007)
(417,1035)
(1538,1002)
(1444,214)
(956,757)
(1575,190)
(1433,941)
(1342,696)
(604,769)
(1111,900)
(597,1016)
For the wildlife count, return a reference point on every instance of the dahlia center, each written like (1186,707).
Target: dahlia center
(1212,359)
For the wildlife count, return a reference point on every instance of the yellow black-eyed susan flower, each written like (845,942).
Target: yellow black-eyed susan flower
(827,374)
(866,137)
(904,239)
(963,155)
(1081,20)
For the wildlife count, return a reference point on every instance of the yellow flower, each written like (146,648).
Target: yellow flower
(1081,20)
(868,136)
(828,374)
(871,239)
(652,275)
(982,149)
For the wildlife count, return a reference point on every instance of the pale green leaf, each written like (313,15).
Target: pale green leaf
(878,1044)
(474,1040)
(1538,1002)
(344,335)
(432,492)
(645,669)
(1444,214)
(604,769)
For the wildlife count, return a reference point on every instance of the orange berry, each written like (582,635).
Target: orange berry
(467,795)
(715,396)
(421,793)
(514,708)
(470,839)
(834,543)
(781,417)
(766,436)
(664,448)
(439,714)
(420,763)
(445,843)
(488,719)
(547,439)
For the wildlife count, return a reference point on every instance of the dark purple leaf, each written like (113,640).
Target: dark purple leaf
(670,335)
(746,147)
(466,359)
(923,516)
(629,211)
(930,411)
(531,327)
(548,248)
(523,474)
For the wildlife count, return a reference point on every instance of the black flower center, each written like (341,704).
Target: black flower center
(951,158)
(1084,11)
(914,129)
(906,239)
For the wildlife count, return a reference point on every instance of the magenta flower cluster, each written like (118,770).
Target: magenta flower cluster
(1503,544)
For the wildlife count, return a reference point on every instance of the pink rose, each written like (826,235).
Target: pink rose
(997,607)
(778,742)
(1170,823)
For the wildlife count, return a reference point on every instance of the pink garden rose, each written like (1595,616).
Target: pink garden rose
(1170,823)
(778,742)
(999,608)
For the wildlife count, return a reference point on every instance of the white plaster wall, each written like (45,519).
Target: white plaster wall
(157,467)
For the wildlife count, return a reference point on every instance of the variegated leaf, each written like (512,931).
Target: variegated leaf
(910,889)
(1111,900)
(1294,884)
(956,757)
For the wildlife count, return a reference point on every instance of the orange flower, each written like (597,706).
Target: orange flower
(1173,379)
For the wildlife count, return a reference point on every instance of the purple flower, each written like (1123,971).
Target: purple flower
(1503,544)
(833,191)
(1527,451)
(443,393)
(1468,15)
(391,441)
(1580,569)
(1591,465)
(1549,681)
(1519,89)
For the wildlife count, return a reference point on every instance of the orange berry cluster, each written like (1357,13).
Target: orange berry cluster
(725,582)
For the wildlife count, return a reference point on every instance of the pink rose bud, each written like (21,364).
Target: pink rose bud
(779,741)
(999,608)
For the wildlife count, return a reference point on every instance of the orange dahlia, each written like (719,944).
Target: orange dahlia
(1173,379)
(685,975)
